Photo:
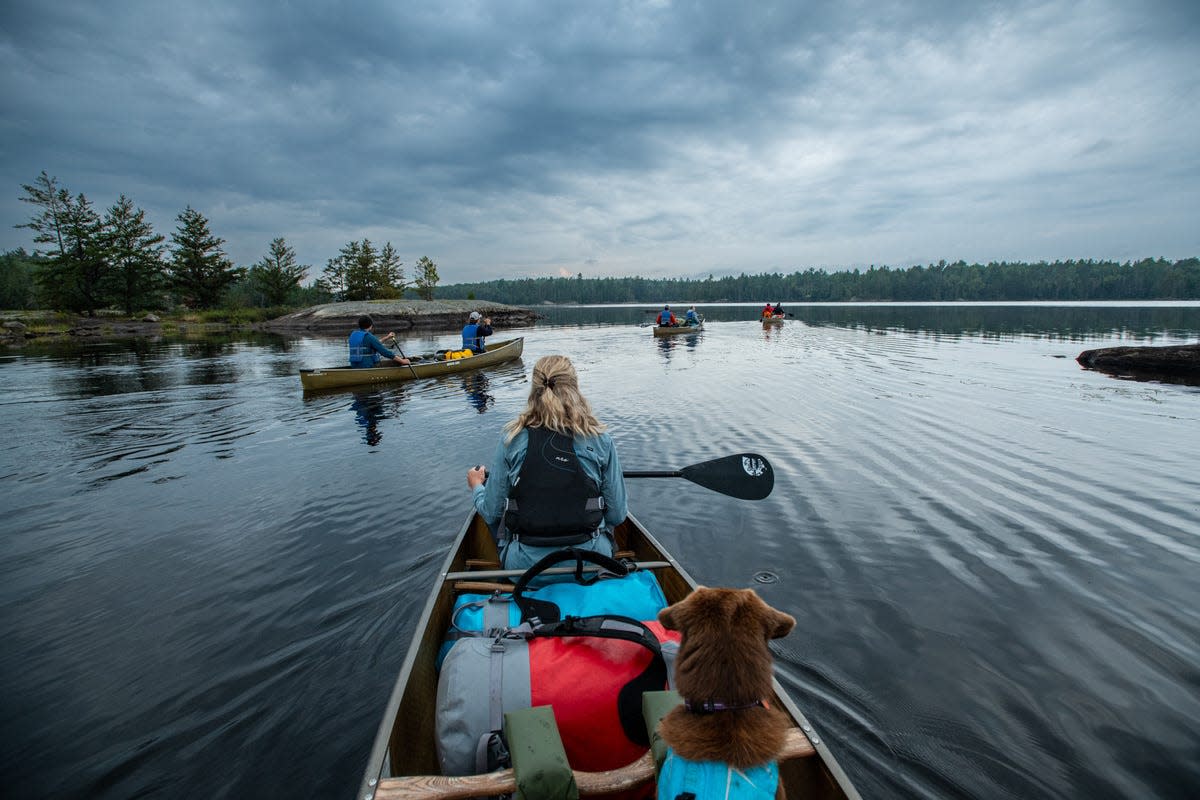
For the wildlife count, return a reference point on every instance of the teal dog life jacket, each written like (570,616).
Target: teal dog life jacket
(680,779)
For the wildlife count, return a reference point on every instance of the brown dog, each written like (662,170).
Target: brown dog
(723,671)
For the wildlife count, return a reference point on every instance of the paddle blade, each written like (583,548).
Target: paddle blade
(746,476)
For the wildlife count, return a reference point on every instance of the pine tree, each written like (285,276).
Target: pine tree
(426,276)
(390,274)
(361,266)
(199,269)
(73,267)
(135,253)
(277,274)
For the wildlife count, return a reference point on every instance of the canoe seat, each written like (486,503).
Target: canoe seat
(482,563)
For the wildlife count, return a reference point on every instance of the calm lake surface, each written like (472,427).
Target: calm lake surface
(208,579)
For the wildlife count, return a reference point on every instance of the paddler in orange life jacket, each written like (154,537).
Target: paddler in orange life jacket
(555,479)
(767,311)
(666,318)
(474,331)
(366,351)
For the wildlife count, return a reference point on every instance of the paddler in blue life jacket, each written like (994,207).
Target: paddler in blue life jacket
(474,331)
(366,351)
(555,479)
(691,317)
(666,319)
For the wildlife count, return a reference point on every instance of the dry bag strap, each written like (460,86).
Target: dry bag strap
(490,750)
(545,612)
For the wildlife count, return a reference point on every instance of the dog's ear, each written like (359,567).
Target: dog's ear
(672,617)
(675,617)
(778,624)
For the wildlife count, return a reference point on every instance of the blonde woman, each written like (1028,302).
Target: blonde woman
(555,479)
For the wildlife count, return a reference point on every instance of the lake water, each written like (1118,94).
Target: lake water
(208,580)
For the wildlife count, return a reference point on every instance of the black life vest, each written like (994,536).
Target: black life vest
(553,502)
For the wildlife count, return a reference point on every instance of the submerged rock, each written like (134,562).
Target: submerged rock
(1170,363)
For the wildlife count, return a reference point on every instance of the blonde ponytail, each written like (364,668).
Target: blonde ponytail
(555,402)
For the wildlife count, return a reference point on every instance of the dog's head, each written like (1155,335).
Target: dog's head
(723,653)
(722,612)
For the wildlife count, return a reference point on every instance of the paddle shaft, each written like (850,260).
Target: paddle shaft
(401,352)
(652,474)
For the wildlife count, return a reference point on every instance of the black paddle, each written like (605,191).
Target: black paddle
(401,352)
(746,476)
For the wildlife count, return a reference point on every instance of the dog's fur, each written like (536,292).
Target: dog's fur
(723,657)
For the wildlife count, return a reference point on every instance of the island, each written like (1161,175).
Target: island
(398,315)
(329,319)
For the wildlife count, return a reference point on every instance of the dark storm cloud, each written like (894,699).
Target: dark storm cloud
(524,138)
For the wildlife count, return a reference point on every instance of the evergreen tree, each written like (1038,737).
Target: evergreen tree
(426,276)
(199,269)
(278,274)
(390,274)
(17,269)
(361,270)
(73,266)
(135,253)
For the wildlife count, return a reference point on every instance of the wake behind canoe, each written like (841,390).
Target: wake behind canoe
(404,761)
(424,366)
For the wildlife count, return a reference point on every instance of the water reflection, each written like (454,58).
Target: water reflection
(477,385)
(372,407)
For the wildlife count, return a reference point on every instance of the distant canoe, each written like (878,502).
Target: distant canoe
(675,330)
(425,366)
(773,320)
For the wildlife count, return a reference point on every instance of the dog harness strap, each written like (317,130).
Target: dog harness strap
(712,706)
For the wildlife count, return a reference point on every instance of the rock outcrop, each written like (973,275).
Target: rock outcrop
(1170,363)
(398,315)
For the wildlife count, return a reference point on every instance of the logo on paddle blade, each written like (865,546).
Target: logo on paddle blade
(754,466)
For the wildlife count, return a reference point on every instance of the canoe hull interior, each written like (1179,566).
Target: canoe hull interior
(405,745)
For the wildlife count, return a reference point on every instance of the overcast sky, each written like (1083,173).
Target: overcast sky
(513,139)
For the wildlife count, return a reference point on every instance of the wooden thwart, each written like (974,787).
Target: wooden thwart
(440,787)
(482,587)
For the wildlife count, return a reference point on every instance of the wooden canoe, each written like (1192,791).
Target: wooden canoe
(424,366)
(675,330)
(404,763)
(773,320)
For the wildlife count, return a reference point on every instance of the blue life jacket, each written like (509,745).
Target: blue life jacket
(692,319)
(712,779)
(361,354)
(664,317)
(471,337)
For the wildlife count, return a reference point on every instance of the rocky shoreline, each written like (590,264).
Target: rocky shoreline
(330,319)
(399,316)
(1169,364)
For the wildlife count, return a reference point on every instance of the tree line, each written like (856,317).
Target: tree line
(86,261)
(1148,279)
